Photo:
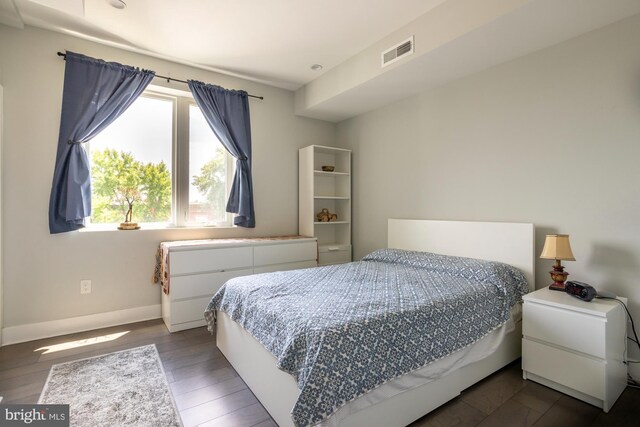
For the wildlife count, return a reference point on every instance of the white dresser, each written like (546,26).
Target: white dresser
(574,346)
(196,269)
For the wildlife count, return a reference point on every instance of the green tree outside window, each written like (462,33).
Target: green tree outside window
(212,182)
(118,178)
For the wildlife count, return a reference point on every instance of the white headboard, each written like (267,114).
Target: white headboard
(510,243)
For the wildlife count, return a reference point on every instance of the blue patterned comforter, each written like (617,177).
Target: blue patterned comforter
(343,330)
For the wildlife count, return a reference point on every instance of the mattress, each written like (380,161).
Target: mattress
(434,371)
(343,331)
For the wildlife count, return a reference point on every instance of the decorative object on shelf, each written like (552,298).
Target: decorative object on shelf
(557,247)
(128,224)
(328,168)
(324,215)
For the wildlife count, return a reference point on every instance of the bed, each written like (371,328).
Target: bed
(403,398)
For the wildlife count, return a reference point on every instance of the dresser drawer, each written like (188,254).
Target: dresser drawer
(205,284)
(284,253)
(188,310)
(205,260)
(565,328)
(580,373)
(284,267)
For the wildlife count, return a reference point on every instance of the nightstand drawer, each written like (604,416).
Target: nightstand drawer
(565,328)
(580,373)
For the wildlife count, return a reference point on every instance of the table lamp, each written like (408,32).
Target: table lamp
(556,246)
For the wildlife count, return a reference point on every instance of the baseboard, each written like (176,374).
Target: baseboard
(53,328)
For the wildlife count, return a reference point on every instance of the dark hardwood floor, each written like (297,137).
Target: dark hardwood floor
(208,391)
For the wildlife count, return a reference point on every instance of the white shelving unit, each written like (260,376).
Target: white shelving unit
(331,190)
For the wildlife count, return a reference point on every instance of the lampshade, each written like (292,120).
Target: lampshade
(556,246)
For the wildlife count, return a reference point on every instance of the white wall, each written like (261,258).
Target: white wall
(552,138)
(42,271)
(1,144)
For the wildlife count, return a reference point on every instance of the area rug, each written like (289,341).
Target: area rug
(126,388)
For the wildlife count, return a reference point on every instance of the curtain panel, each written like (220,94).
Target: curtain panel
(227,112)
(95,94)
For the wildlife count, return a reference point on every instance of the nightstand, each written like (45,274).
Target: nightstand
(575,347)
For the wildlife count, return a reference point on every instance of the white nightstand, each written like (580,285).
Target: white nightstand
(574,346)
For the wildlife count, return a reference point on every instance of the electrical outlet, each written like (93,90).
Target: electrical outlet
(85,286)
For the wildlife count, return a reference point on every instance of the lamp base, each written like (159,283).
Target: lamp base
(559,276)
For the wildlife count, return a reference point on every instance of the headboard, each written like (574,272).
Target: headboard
(507,242)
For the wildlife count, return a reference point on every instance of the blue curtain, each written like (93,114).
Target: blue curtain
(227,112)
(95,94)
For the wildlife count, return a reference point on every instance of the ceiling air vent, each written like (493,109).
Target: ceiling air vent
(398,51)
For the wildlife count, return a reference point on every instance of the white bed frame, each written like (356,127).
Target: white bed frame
(511,243)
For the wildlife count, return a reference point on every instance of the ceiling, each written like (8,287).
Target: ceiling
(451,43)
(276,41)
(271,41)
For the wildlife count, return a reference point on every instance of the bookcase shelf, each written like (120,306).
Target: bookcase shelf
(332,197)
(330,222)
(319,190)
(323,173)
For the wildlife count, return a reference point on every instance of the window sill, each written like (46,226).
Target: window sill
(152,227)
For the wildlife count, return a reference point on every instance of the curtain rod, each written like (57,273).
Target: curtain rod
(168,79)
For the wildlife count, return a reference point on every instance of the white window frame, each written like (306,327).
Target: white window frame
(180,174)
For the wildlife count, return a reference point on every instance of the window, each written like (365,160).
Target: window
(210,168)
(162,155)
